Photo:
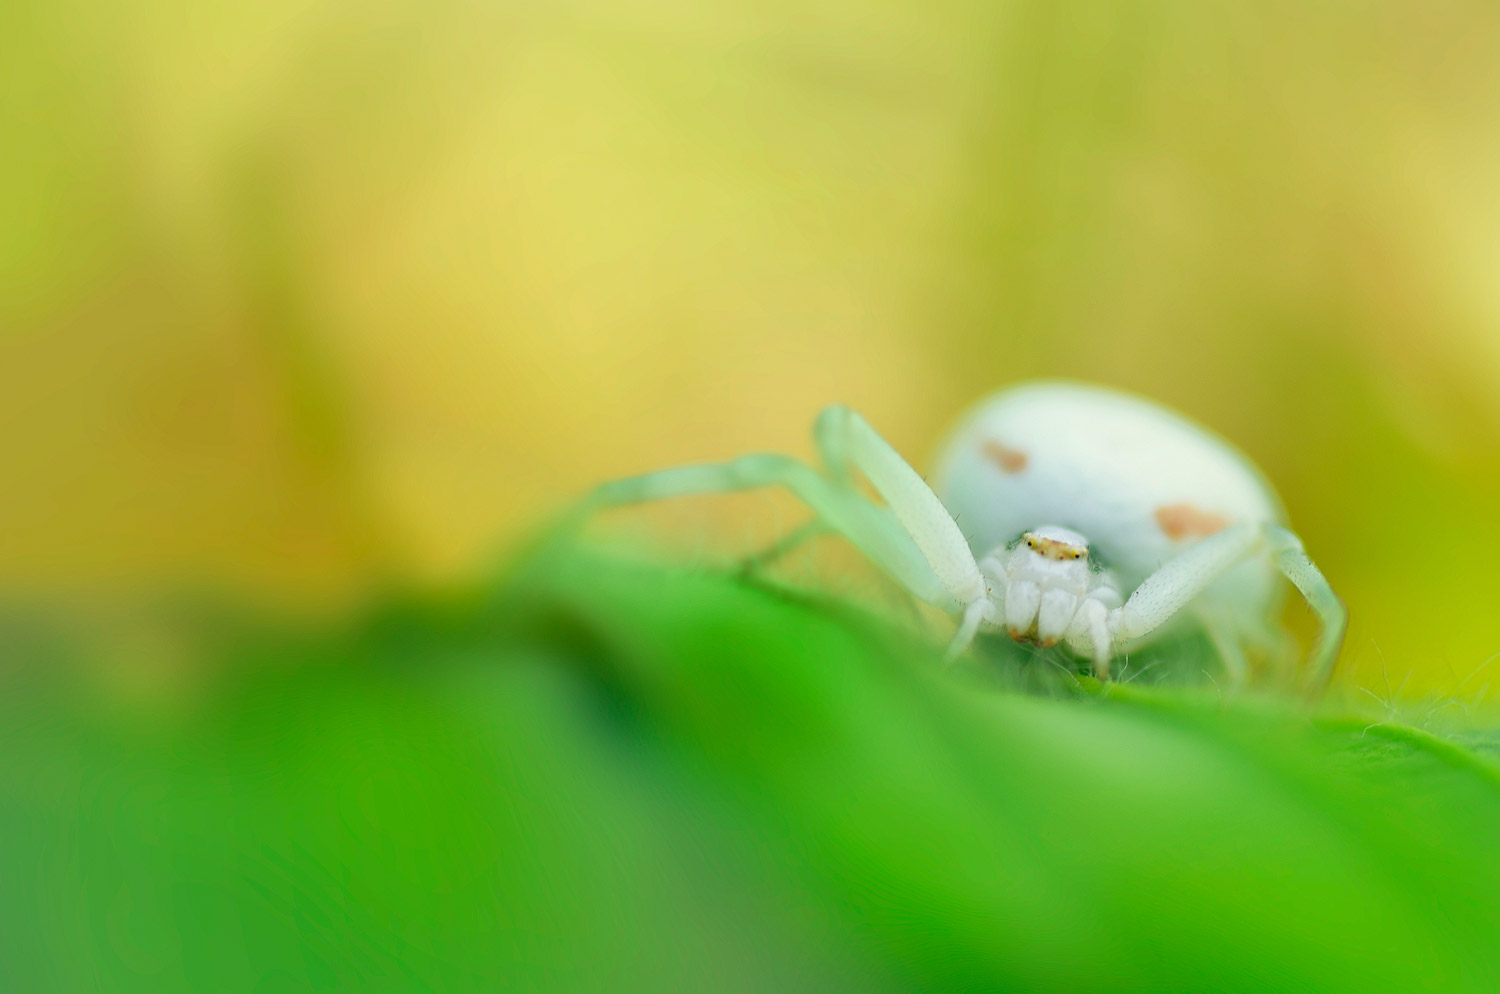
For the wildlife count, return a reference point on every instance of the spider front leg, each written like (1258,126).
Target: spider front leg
(1171,587)
(871,529)
(913,538)
(848,444)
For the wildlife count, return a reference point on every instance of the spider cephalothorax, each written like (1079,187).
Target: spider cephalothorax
(1044,589)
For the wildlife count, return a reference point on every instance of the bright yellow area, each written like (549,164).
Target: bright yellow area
(297,295)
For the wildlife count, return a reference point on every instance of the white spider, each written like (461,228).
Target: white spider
(1073,496)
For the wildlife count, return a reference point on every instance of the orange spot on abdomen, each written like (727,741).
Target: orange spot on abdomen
(1181,521)
(1009,460)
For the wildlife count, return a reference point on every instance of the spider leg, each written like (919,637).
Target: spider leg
(968,627)
(809,531)
(1178,581)
(785,545)
(874,530)
(1088,635)
(1227,643)
(1277,646)
(847,441)
(1286,550)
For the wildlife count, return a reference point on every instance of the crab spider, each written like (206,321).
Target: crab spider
(1094,519)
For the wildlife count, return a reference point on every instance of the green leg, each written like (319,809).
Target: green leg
(875,531)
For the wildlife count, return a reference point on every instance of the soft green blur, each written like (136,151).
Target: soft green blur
(607,777)
(299,297)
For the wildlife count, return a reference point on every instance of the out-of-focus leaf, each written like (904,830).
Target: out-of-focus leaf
(613,776)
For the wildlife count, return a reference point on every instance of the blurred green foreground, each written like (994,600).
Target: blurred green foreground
(605,776)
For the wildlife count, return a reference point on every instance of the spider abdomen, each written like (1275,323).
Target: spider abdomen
(1141,482)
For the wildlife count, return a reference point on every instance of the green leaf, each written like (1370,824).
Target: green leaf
(609,775)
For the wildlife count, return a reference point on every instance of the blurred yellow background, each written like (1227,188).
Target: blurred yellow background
(296,297)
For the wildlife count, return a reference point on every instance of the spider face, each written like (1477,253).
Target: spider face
(1052,557)
(1047,577)
(1057,544)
